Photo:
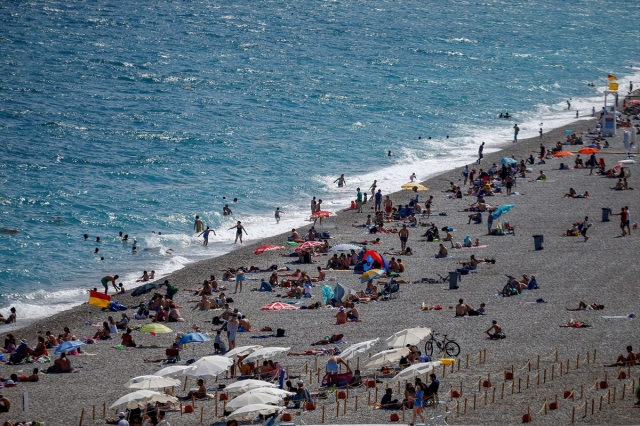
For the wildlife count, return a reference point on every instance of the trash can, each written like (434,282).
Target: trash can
(454,279)
(606,212)
(538,240)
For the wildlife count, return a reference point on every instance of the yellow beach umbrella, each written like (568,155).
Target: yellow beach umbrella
(410,185)
(154,327)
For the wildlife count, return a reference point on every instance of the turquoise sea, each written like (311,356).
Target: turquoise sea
(136,116)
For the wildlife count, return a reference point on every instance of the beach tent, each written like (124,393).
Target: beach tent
(371,256)
(278,306)
(501,210)
(267,247)
(508,160)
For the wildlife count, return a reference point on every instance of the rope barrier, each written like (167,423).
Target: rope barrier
(544,406)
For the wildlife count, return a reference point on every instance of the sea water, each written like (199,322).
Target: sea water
(137,116)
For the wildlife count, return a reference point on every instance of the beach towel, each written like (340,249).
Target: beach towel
(446,257)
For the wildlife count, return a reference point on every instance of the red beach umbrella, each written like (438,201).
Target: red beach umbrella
(589,151)
(562,154)
(267,247)
(278,306)
(308,245)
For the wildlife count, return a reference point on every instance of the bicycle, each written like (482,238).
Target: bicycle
(448,346)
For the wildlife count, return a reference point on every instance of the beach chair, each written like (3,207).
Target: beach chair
(509,229)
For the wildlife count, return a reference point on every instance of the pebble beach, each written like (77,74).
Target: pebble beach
(568,269)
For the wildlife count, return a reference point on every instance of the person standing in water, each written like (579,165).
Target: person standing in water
(341,181)
(205,235)
(372,188)
(480,149)
(277,214)
(516,130)
(105,282)
(239,229)
(197,225)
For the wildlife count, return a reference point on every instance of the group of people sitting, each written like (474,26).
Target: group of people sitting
(515,287)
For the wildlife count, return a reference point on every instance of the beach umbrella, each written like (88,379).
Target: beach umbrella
(267,247)
(342,293)
(385,357)
(69,346)
(247,385)
(501,210)
(151,382)
(254,410)
(193,338)
(568,131)
(345,247)
(155,328)
(589,151)
(415,370)
(209,366)
(409,336)
(172,369)
(242,351)
(321,213)
(353,350)
(508,160)
(372,274)
(309,244)
(264,353)
(278,306)
(134,398)
(562,154)
(410,185)
(271,391)
(253,398)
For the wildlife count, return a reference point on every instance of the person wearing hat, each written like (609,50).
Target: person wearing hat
(341,316)
(302,394)
(497,331)
(122,421)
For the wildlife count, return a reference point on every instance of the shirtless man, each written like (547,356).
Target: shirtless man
(226,211)
(353,314)
(333,339)
(497,331)
(341,316)
(105,282)
(332,368)
(295,236)
(542,176)
(404,237)
(590,307)
(462,308)
(631,358)
(321,276)
(442,252)
(388,205)
(198,225)
(200,393)
(202,305)
(143,278)
(245,323)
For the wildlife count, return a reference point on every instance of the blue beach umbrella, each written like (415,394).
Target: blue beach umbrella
(501,210)
(508,160)
(193,338)
(69,346)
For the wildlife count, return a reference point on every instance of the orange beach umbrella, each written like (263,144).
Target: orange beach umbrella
(562,154)
(589,151)
(267,247)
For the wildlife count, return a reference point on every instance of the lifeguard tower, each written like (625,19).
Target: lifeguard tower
(609,111)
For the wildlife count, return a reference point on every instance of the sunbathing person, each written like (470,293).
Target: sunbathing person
(497,331)
(472,263)
(462,308)
(103,334)
(61,365)
(341,316)
(203,305)
(352,314)
(575,324)
(572,194)
(631,358)
(199,394)
(40,348)
(333,339)
(443,252)
(406,252)
(321,351)
(587,307)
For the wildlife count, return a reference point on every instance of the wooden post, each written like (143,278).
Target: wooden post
(201,414)
(452,367)
(323,407)
(457,409)
(316,359)
(493,397)
(356,403)
(544,377)
(450,393)
(180,409)
(318,370)
(578,361)
(480,356)
(345,407)
(567,365)
(398,386)
(593,404)
(104,410)
(502,392)
(458,365)
(224,406)
(479,383)
(467,366)
(538,362)
(465,406)
(538,378)
(485,397)
(337,409)
(573,395)
(306,367)
(527,381)
(545,406)
(529,364)
(624,388)
(519,382)
(609,396)
(357,363)
(588,355)
(444,371)
(376,392)
(474,401)
(186,379)
(484,356)
(81,416)
(600,408)
(560,369)
(581,391)
(513,386)
(614,394)
(556,354)
(594,355)
(403,412)
(93,412)
(553,371)
(573,415)
(369,398)
(460,387)
(215,399)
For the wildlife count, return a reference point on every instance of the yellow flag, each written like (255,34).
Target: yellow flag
(613,86)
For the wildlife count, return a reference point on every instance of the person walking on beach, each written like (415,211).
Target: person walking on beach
(465,174)
(197,225)
(239,229)
(516,129)
(378,201)
(313,205)
(480,149)
(417,403)
(388,205)
(404,237)
(373,188)
(205,235)
(624,223)
(277,214)
(341,181)
(105,282)
(359,201)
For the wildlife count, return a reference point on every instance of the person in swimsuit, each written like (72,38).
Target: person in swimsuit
(277,214)
(105,282)
(197,225)
(205,235)
(341,181)
(332,369)
(239,228)
(404,237)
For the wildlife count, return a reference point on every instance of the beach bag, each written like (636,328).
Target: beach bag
(229,299)
(280,332)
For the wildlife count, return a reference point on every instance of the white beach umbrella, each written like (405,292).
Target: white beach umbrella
(242,351)
(209,366)
(249,384)
(252,411)
(353,350)
(264,353)
(385,357)
(151,382)
(172,369)
(271,391)
(409,336)
(253,398)
(135,398)
(345,247)
(415,370)
(163,398)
